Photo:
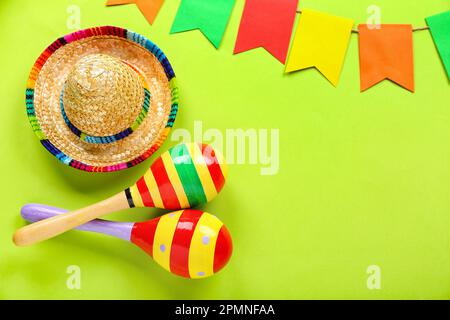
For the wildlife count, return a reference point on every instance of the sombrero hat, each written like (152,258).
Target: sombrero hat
(102,99)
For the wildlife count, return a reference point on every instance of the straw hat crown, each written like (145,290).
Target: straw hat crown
(102,95)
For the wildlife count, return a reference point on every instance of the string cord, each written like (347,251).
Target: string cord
(356,30)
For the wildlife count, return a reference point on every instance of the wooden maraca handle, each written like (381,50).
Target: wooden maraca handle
(54,226)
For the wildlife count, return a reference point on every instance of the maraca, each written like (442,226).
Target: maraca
(182,177)
(188,243)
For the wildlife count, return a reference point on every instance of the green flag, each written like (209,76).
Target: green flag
(209,16)
(440,31)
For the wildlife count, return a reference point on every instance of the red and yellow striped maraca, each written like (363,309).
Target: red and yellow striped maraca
(189,243)
(183,177)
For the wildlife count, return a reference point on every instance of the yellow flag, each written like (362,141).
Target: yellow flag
(320,41)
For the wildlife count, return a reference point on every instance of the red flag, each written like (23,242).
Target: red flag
(386,53)
(267,24)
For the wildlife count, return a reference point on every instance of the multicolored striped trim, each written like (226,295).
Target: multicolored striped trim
(189,243)
(86,33)
(112,138)
(184,177)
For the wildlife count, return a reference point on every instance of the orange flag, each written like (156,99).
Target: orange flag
(149,8)
(386,53)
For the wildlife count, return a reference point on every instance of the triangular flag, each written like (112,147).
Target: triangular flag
(210,17)
(320,41)
(149,8)
(386,52)
(440,31)
(267,24)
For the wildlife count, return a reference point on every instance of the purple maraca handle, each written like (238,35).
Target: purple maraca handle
(35,212)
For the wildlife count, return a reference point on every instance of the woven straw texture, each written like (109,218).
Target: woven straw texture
(102,95)
(66,64)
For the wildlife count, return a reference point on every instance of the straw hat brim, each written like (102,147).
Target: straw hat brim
(50,72)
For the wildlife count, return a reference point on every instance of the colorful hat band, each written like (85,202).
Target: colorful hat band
(115,137)
(107,31)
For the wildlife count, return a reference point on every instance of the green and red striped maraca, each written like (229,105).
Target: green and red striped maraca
(183,177)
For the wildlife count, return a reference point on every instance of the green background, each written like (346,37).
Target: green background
(364,178)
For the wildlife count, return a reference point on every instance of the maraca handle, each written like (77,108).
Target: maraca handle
(56,225)
(34,212)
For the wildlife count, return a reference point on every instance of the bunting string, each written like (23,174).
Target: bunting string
(357,31)
(320,40)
